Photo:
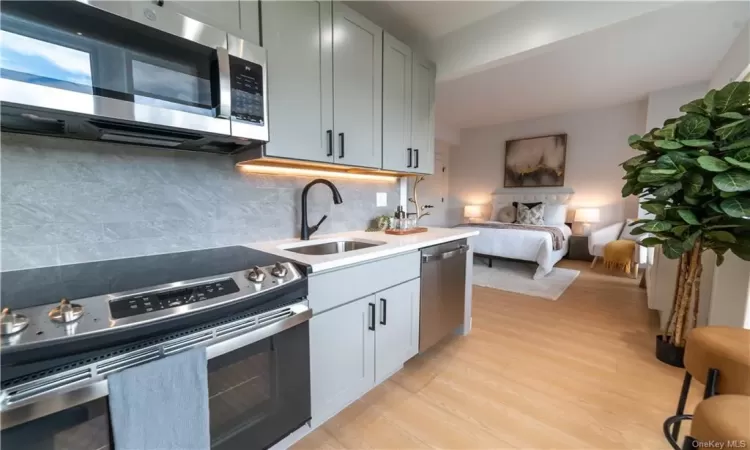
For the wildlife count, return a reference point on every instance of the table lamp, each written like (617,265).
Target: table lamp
(473,212)
(587,216)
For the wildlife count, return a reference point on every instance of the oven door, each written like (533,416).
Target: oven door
(126,61)
(259,392)
(81,427)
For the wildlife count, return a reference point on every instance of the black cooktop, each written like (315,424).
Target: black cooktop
(46,285)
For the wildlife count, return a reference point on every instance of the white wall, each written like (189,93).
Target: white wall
(597,143)
(725,293)
(730,294)
(729,304)
(527,27)
(735,63)
(434,189)
(665,104)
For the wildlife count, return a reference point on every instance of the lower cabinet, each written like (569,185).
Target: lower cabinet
(342,357)
(396,329)
(358,345)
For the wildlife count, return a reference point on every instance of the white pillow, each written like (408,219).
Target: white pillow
(555,214)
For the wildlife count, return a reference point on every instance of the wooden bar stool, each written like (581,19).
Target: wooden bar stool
(718,357)
(722,421)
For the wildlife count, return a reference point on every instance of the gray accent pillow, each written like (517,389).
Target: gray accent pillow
(530,216)
(506,214)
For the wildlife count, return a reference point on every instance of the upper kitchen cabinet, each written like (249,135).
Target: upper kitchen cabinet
(408,109)
(238,17)
(250,20)
(397,152)
(357,88)
(297,36)
(423,115)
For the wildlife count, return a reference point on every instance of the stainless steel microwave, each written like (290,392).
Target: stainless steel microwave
(131,72)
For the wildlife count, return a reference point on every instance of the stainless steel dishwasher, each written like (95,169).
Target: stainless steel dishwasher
(443,291)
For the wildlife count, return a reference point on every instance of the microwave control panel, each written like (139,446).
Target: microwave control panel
(247,90)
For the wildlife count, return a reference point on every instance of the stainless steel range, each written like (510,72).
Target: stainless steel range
(65,329)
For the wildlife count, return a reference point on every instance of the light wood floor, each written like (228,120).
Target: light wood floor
(575,373)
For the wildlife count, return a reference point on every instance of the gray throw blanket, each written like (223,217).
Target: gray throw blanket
(557,235)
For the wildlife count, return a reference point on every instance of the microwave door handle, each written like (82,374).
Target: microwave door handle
(224,107)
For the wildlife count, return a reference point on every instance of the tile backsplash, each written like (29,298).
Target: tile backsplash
(67,201)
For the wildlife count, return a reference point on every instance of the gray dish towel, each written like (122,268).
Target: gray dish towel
(162,405)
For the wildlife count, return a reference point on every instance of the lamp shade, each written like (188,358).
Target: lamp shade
(587,215)
(472,211)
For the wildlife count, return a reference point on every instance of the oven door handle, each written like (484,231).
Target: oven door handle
(224,104)
(242,338)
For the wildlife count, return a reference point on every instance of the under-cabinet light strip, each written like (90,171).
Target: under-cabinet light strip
(307,172)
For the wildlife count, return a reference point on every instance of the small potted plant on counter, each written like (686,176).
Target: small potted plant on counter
(693,176)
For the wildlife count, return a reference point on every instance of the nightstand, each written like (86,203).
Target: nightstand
(579,248)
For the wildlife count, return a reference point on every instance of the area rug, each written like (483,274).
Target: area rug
(518,277)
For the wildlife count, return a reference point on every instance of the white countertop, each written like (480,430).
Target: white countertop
(393,246)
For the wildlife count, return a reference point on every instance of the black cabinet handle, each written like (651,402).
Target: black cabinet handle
(371,326)
(383,306)
(416,158)
(341,143)
(408,152)
(330,142)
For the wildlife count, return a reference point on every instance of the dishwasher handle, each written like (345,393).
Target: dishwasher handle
(462,249)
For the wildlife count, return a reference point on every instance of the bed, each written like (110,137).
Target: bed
(531,244)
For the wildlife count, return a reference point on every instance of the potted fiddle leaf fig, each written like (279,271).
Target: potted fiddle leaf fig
(693,176)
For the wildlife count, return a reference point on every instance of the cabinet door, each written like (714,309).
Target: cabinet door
(423,115)
(297,35)
(357,75)
(397,336)
(250,20)
(342,355)
(397,153)
(221,14)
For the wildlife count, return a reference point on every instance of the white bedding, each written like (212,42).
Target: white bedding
(525,245)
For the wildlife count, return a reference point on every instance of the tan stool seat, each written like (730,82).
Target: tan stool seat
(724,348)
(722,418)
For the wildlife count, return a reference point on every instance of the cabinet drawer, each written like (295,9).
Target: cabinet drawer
(331,289)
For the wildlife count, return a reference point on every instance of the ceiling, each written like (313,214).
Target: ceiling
(623,62)
(436,18)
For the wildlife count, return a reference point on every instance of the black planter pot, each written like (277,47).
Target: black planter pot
(669,353)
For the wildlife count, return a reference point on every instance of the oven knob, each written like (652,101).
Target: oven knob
(256,275)
(12,323)
(279,271)
(66,312)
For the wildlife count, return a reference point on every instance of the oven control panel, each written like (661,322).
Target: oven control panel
(141,304)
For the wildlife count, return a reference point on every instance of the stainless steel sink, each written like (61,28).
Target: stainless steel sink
(329,248)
